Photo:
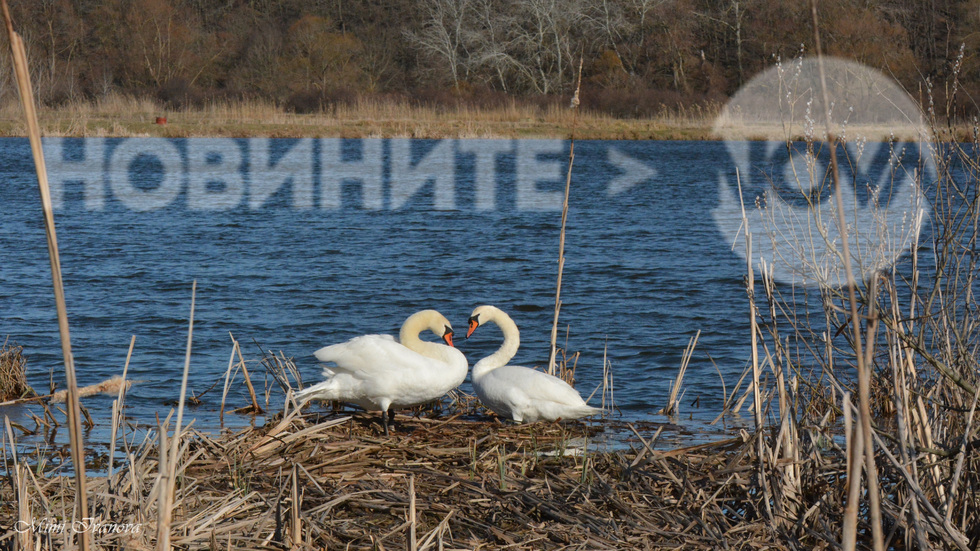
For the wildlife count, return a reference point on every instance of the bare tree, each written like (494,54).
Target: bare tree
(442,34)
(493,45)
(545,41)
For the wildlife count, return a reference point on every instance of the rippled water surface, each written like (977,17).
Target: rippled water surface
(646,269)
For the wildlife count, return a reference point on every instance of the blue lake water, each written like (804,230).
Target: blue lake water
(291,255)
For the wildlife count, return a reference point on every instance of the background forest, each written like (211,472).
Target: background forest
(642,57)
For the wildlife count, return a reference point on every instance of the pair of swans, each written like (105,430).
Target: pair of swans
(377,373)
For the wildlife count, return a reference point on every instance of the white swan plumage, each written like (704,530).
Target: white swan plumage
(520,393)
(376,372)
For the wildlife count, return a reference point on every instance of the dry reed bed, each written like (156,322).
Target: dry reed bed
(318,480)
(333,482)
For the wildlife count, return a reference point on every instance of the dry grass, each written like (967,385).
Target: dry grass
(309,480)
(124,116)
(13,369)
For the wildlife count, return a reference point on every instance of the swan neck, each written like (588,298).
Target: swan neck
(507,350)
(408,336)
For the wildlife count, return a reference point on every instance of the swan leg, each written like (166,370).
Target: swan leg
(387,414)
(391,416)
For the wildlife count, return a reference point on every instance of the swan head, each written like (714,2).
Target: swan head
(427,319)
(481,315)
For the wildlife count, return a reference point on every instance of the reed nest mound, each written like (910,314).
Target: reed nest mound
(312,480)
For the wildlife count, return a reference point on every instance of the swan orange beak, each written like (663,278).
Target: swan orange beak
(473,324)
(448,337)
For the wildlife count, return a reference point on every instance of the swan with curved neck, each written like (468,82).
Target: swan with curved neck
(376,372)
(520,393)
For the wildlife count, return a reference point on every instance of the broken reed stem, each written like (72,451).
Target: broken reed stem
(248,380)
(108,386)
(117,407)
(412,543)
(673,403)
(608,382)
(163,531)
(605,375)
(34,135)
(864,373)
(564,219)
(224,392)
(23,512)
(295,528)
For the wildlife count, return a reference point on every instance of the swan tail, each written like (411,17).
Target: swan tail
(586,411)
(327,390)
(577,412)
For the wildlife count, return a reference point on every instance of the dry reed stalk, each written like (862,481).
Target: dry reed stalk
(607,383)
(955,537)
(958,471)
(786,455)
(20,488)
(564,219)
(34,136)
(855,451)
(161,488)
(228,379)
(673,402)
(864,370)
(295,525)
(412,543)
(756,371)
(167,489)
(248,381)
(117,407)
(753,317)
(903,424)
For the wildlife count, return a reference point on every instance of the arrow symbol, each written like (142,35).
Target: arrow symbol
(633,172)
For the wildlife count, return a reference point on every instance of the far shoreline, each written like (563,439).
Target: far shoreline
(125,117)
(445,128)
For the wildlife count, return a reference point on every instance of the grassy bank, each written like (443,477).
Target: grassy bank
(120,116)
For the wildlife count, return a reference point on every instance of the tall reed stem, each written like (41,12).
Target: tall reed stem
(34,135)
(167,490)
(864,372)
(564,218)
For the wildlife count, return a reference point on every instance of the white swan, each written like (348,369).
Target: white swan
(377,373)
(520,393)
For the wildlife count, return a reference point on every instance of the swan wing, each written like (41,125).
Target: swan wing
(540,386)
(371,356)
